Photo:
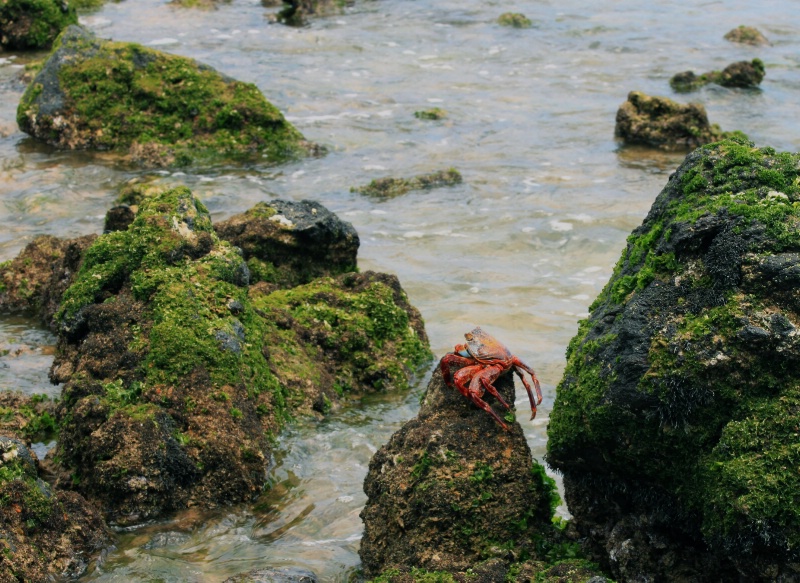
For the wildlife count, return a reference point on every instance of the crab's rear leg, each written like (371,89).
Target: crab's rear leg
(519,366)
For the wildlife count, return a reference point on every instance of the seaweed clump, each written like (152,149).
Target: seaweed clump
(153,108)
(675,421)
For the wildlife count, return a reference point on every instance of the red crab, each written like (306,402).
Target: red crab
(478,363)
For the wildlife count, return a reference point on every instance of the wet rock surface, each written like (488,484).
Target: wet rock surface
(662,123)
(675,418)
(288,243)
(452,491)
(43,533)
(151,107)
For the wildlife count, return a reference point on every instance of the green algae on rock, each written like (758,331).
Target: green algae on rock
(177,373)
(747,35)
(32,282)
(677,412)
(390,187)
(743,74)
(33,24)
(452,496)
(514,20)
(663,123)
(46,534)
(434,113)
(154,108)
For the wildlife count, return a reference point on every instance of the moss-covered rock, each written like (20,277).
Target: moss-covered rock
(743,74)
(289,243)
(390,187)
(663,123)
(675,424)
(33,24)
(434,113)
(45,534)
(514,20)
(177,373)
(454,497)
(154,108)
(748,35)
(337,338)
(27,417)
(32,282)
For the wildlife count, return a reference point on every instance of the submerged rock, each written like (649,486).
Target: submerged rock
(177,371)
(289,243)
(748,35)
(33,24)
(151,107)
(743,74)
(676,418)
(45,534)
(434,113)
(663,123)
(452,493)
(390,187)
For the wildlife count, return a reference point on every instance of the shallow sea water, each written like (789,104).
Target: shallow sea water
(522,247)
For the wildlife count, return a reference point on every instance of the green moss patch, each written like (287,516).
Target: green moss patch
(33,24)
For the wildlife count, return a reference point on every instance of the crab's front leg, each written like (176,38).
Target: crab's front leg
(519,366)
(453,361)
(480,378)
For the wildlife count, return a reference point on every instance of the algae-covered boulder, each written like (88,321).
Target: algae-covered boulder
(748,35)
(676,422)
(151,107)
(33,24)
(177,372)
(45,534)
(33,282)
(742,74)
(288,243)
(453,494)
(663,123)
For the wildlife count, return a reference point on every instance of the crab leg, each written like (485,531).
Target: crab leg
(487,376)
(519,366)
(474,376)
